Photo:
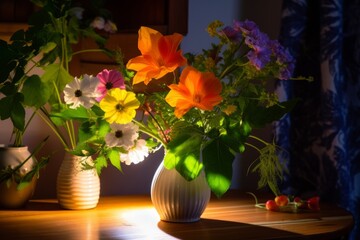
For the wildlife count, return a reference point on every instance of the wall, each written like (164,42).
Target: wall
(136,179)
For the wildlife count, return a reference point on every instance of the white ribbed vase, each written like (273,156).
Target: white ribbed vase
(176,199)
(77,188)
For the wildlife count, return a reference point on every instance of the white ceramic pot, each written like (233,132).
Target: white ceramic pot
(10,196)
(176,199)
(77,188)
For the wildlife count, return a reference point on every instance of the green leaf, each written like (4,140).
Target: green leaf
(218,159)
(57,77)
(79,113)
(48,47)
(259,116)
(5,107)
(104,128)
(114,156)
(236,135)
(18,35)
(183,154)
(83,149)
(11,107)
(100,163)
(18,115)
(86,131)
(36,93)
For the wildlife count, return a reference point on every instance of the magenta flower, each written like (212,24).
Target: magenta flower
(109,79)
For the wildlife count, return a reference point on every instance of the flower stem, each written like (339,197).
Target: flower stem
(259,139)
(88,51)
(253,146)
(45,117)
(145,130)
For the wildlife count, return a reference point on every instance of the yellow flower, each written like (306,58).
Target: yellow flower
(119,106)
(230,109)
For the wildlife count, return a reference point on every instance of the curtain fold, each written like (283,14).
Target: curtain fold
(321,136)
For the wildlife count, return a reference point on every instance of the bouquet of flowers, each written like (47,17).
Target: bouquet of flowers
(202,119)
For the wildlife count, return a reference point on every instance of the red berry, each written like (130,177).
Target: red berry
(271,205)
(281,200)
(313,203)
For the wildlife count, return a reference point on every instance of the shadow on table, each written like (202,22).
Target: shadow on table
(223,230)
(37,205)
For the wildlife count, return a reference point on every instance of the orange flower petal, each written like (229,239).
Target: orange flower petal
(160,55)
(195,89)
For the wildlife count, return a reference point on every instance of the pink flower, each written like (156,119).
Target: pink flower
(109,79)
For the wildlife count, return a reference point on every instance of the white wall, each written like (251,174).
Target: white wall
(203,12)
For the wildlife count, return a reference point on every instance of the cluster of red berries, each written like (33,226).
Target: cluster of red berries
(298,203)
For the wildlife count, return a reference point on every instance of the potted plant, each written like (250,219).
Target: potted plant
(37,48)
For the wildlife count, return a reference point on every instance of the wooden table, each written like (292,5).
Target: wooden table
(133,217)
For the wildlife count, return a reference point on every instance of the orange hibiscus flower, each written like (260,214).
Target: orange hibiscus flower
(195,89)
(160,55)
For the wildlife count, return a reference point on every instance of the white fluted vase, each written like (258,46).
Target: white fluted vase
(176,199)
(77,188)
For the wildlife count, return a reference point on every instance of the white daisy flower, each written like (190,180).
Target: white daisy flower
(122,135)
(136,154)
(98,23)
(82,92)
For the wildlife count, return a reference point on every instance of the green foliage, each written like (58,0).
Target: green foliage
(35,92)
(269,167)
(183,151)
(218,159)
(47,45)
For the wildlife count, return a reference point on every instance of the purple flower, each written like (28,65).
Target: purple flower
(257,40)
(284,59)
(232,34)
(286,72)
(259,57)
(246,27)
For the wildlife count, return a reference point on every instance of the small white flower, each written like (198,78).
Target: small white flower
(110,27)
(122,135)
(82,92)
(136,154)
(98,23)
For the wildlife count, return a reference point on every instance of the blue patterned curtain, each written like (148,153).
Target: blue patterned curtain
(321,136)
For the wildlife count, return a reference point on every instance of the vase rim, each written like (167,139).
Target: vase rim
(11,147)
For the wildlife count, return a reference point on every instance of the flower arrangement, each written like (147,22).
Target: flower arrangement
(202,119)
(207,115)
